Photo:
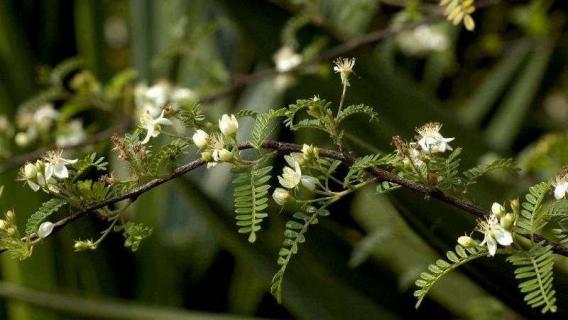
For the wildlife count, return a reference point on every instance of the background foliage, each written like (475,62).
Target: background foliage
(501,91)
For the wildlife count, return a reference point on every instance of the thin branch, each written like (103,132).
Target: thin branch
(286,148)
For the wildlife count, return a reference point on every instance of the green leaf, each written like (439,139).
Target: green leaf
(531,220)
(535,272)
(251,197)
(442,267)
(261,126)
(47,208)
(357,109)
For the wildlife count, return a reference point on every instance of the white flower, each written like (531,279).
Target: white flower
(228,125)
(200,138)
(218,145)
(44,116)
(31,174)
(281,196)
(159,93)
(72,134)
(560,187)
(431,140)
(180,94)
(45,229)
(30,171)
(293,158)
(423,39)
(309,182)
(56,166)
(415,154)
(494,234)
(153,126)
(344,67)
(286,59)
(290,178)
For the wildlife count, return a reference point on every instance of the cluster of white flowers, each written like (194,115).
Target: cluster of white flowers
(423,40)
(151,101)
(292,176)
(44,173)
(37,123)
(71,134)
(33,123)
(214,148)
(497,228)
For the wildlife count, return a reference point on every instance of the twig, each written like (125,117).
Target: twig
(285,148)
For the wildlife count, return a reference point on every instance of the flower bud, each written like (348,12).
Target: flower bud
(3,224)
(30,171)
(281,196)
(466,241)
(309,151)
(200,138)
(11,231)
(507,221)
(498,210)
(225,155)
(228,125)
(10,214)
(515,205)
(45,229)
(309,182)
(22,139)
(206,156)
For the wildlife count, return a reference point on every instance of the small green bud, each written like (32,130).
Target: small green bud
(206,156)
(507,221)
(225,155)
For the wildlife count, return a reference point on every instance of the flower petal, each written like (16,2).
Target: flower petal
(491,246)
(502,236)
(60,171)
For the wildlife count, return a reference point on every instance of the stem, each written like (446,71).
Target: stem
(285,148)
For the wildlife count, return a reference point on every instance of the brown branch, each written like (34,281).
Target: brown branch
(285,148)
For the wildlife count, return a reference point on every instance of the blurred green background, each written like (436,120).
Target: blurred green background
(502,91)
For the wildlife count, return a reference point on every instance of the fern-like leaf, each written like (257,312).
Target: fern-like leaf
(167,155)
(47,208)
(471,175)
(368,161)
(441,267)
(534,269)
(261,127)
(244,113)
(251,198)
(294,235)
(530,220)
(357,109)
